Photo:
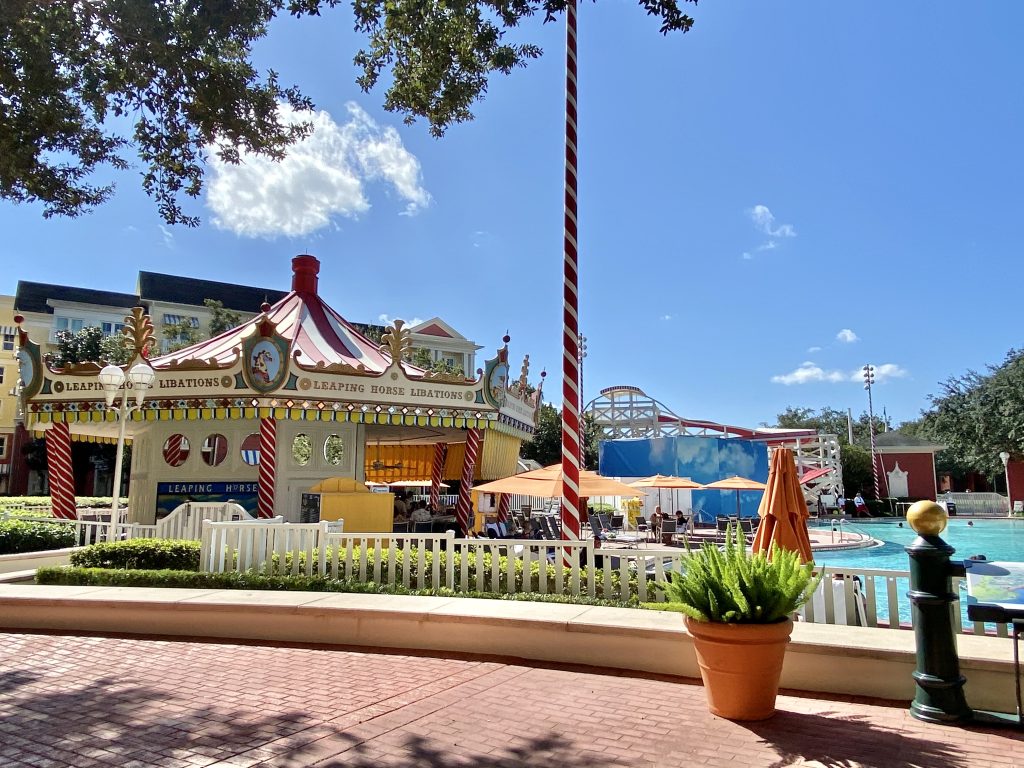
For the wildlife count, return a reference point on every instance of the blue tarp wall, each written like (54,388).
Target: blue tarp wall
(702,459)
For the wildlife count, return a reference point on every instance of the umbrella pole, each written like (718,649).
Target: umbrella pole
(737,503)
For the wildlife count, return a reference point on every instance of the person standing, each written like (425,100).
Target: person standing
(860,506)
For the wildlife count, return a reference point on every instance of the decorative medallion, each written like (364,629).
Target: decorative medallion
(265,364)
(30,362)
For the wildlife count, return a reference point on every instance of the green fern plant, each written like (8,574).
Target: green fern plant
(733,585)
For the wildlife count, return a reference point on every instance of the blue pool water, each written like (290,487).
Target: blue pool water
(996,539)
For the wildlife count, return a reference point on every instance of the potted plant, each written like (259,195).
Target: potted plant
(739,608)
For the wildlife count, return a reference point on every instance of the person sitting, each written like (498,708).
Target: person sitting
(421,514)
(860,506)
(401,508)
(681,521)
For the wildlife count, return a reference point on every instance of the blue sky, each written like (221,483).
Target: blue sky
(787,192)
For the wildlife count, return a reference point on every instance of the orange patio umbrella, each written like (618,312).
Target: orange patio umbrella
(547,483)
(783,510)
(734,483)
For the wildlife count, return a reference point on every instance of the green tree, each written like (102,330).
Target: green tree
(222,319)
(89,345)
(546,446)
(830,421)
(977,415)
(84,82)
(181,334)
(857,474)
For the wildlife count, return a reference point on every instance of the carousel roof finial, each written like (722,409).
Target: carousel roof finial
(523,373)
(396,341)
(305,269)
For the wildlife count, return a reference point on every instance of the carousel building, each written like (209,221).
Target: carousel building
(266,411)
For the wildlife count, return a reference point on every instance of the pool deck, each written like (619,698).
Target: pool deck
(91,701)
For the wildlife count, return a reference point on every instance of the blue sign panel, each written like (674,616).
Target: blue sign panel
(170,495)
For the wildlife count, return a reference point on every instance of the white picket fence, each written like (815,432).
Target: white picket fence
(868,597)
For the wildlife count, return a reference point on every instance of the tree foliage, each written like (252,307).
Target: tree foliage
(89,345)
(830,421)
(181,334)
(546,446)
(83,83)
(978,415)
(222,319)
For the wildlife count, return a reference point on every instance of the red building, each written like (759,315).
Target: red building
(906,466)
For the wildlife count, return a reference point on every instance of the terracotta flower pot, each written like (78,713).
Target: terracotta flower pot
(740,665)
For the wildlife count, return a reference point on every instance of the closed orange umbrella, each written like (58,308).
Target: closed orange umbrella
(783,511)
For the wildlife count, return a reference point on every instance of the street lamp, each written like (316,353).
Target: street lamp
(112,379)
(869,379)
(1004,457)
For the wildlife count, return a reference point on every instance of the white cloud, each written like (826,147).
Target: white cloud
(386,319)
(885,372)
(764,220)
(771,245)
(746,255)
(168,236)
(847,336)
(324,175)
(809,373)
(812,350)
(666,317)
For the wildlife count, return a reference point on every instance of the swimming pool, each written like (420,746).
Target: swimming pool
(996,539)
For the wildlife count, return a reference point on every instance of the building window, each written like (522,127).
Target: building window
(71,324)
(177,319)
(8,342)
(2,369)
(109,329)
(3,446)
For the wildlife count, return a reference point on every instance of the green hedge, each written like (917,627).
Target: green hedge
(44,502)
(18,536)
(142,554)
(101,577)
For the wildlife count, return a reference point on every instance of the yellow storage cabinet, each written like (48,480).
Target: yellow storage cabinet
(343,498)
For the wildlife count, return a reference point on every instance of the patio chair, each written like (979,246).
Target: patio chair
(400,527)
(617,521)
(642,526)
(668,530)
(423,527)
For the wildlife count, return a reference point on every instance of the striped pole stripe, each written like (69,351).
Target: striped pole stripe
(62,478)
(464,507)
(570,302)
(504,502)
(173,450)
(268,466)
(436,474)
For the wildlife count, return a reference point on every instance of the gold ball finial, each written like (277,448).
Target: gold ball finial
(927,518)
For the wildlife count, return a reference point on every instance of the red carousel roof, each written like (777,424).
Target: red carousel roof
(316,333)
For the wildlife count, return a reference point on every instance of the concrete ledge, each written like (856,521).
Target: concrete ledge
(29,561)
(821,658)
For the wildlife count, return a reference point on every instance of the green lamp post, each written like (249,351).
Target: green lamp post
(939,696)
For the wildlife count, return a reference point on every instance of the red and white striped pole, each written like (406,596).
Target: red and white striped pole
(437,474)
(61,475)
(464,507)
(268,468)
(570,304)
(504,502)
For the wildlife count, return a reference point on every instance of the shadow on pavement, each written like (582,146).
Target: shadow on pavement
(823,739)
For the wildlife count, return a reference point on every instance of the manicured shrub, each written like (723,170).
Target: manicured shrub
(102,577)
(18,536)
(142,554)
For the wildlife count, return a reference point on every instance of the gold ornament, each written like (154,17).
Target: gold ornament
(396,342)
(927,518)
(138,332)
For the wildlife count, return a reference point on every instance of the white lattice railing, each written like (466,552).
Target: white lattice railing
(858,596)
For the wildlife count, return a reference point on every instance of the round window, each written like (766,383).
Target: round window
(302,449)
(176,450)
(334,450)
(215,448)
(251,449)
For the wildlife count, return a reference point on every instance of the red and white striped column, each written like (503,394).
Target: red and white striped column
(464,507)
(570,303)
(504,502)
(437,474)
(268,467)
(61,475)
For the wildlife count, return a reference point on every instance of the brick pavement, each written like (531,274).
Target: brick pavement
(102,701)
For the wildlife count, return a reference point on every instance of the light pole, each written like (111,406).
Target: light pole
(112,378)
(1004,457)
(583,419)
(869,379)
